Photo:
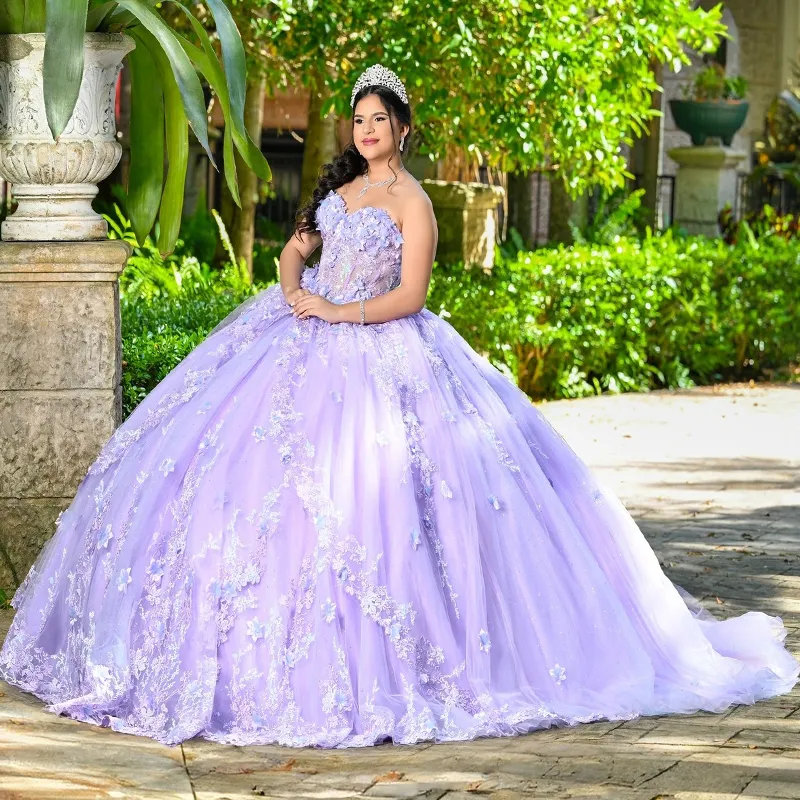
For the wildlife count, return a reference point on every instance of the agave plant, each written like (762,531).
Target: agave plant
(166,93)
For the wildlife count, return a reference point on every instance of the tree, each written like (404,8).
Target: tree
(516,84)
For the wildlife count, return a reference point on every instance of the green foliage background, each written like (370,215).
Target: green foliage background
(626,314)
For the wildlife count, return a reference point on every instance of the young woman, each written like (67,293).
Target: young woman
(335,524)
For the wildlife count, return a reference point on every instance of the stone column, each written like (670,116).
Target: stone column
(704,183)
(60,397)
(466,221)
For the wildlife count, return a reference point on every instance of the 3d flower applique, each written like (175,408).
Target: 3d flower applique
(343,575)
(256,629)
(106,535)
(361,288)
(336,395)
(415,538)
(259,433)
(285,451)
(166,466)
(486,642)
(493,502)
(215,589)
(74,615)
(320,520)
(558,673)
(206,441)
(123,579)
(446,490)
(341,700)
(395,631)
(155,570)
(142,477)
(328,610)
(381,438)
(204,407)
(448,416)
(411,418)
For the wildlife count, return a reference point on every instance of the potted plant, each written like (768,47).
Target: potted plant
(59,62)
(713,105)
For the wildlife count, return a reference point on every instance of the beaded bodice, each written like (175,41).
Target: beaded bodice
(361,252)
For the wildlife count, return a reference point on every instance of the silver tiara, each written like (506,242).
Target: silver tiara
(378,75)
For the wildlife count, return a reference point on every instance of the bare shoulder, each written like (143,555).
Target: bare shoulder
(413,202)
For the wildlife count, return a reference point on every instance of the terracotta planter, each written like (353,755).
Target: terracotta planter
(54,182)
(714,118)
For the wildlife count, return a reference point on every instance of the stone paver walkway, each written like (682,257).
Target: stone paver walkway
(712,476)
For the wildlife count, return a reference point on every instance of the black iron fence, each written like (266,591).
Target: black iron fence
(779,188)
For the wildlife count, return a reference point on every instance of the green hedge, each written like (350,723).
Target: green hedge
(630,316)
(661,312)
(158,334)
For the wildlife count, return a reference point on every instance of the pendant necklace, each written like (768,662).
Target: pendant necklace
(380,183)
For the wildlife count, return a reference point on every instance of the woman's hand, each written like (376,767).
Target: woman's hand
(313,305)
(295,294)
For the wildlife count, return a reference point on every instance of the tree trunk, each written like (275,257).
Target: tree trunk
(520,206)
(563,210)
(652,152)
(241,222)
(320,143)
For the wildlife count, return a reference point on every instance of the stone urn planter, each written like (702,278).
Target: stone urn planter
(54,182)
(465,215)
(721,118)
(713,105)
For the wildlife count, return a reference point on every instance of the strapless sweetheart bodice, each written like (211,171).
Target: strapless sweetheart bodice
(361,252)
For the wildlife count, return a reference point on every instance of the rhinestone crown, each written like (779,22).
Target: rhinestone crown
(378,75)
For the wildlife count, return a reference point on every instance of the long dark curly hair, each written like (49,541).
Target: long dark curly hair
(350,164)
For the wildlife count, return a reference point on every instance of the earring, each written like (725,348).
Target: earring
(402,138)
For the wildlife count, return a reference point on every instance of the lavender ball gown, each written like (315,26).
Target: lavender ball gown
(319,534)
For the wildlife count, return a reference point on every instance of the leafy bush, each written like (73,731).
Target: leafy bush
(660,312)
(765,221)
(198,235)
(168,307)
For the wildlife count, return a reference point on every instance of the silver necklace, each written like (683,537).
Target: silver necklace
(380,183)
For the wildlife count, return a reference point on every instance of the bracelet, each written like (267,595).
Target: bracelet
(361,303)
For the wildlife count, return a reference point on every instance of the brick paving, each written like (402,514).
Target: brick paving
(711,475)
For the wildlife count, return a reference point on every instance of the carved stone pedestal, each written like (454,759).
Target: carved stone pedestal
(59,384)
(465,215)
(704,184)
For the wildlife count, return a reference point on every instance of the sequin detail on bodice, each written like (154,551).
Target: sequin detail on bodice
(361,252)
